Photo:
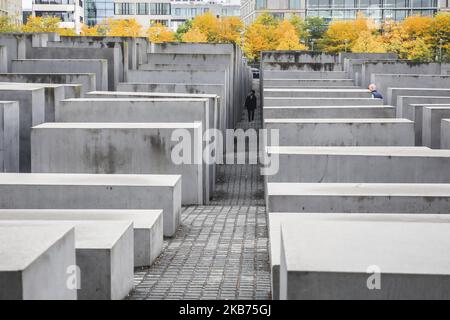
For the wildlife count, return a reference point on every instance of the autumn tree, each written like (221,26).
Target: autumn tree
(257,38)
(229,30)
(300,27)
(369,42)
(194,35)
(315,28)
(6,25)
(124,28)
(66,32)
(90,31)
(207,24)
(183,29)
(159,33)
(41,24)
(287,37)
(440,37)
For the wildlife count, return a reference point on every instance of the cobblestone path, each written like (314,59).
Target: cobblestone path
(220,250)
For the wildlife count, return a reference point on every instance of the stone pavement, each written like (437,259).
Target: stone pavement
(220,250)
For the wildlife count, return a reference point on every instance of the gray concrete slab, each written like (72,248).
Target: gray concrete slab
(316,93)
(343,132)
(31,112)
(360,164)
(104,255)
(275,220)
(94,191)
(302,66)
(431,124)
(122,148)
(299,83)
(294,101)
(43,66)
(445,134)
(34,262)
(299,56)
(408,266)
(293,74)
(9,136)
(87,80)
(147,226)
(368,111)
(359,197)
(403,103)
(393,93)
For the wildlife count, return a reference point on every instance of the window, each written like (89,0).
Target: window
(124,8)
(157,9)
(142,9)
(294,4)
(260,4)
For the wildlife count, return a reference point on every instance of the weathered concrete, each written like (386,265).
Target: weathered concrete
(445,134)
(43,66)
(316,93)
(281,101)
(178,76)
(412,268)
(31,112)
(15,45)
(361,164)
(397,67)
(104,254)
(275,220)
(34,262)
(365,56)
(87,80)
(94,191)
(122,148)
(301,66)
(431,124)
(147,226)
(112,53)
(404,103)
(393,93)
(359,197)
(142,110)
(384,81)
(9,136)
(3,59)
(353,68)
(343,132)
(273,83)
(329,112)
(189,59)
(292,74)
(299,56)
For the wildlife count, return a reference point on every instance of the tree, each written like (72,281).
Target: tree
(257,38)
(315,28)
(41,24)
(418,50)
(194,35)
(183,29)
(6,25)
(300,27)
(89,31)
(266,19)
(66,32)
(124,28)
(287,37)
(440,37)
(208,24)
(229,30)
(368,42)
(159,33)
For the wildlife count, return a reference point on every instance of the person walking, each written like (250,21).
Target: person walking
(250,105)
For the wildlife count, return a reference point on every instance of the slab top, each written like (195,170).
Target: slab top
(21,245)
(315,90)
(119,125)
(69,179)
(112,99)
(151,94)
(359,189)
(368,106)
(338,120)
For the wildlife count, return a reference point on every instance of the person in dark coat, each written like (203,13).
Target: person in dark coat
(250,105)
(375,93)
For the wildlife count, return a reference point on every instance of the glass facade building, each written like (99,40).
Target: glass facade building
(95,11)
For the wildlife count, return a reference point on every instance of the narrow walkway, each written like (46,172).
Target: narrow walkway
(221,250)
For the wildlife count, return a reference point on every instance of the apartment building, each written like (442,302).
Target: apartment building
(12,9)
(71,12)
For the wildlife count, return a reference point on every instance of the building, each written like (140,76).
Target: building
(95,11)
(71,12)
(12,9)
(146,12)
(379,10)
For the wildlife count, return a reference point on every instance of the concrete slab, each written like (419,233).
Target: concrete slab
(403,103)
(122,148)
(9,136)
(360,164)
(368,111)
(104,254)
(316,93)
(445,134)
(409,267)
(307,82)
(394,92)
(147,226)
(343,132)
(31,112)
(97,66)
(294,101)
(87,80)
(431,124)
(275,220)
(94,191)
(359,197)
(301,66)
(34,262)
(294,74)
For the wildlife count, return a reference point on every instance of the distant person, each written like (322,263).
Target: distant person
(250,105)
(375,93)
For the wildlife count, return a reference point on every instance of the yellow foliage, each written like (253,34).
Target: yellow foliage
(257,38)
(89,31)
(208,24)
(124,28)
(66,32)
(6,25)
(159,33)
(229,30)
(368,42)
(41,24)
(194,35)
(287,37)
